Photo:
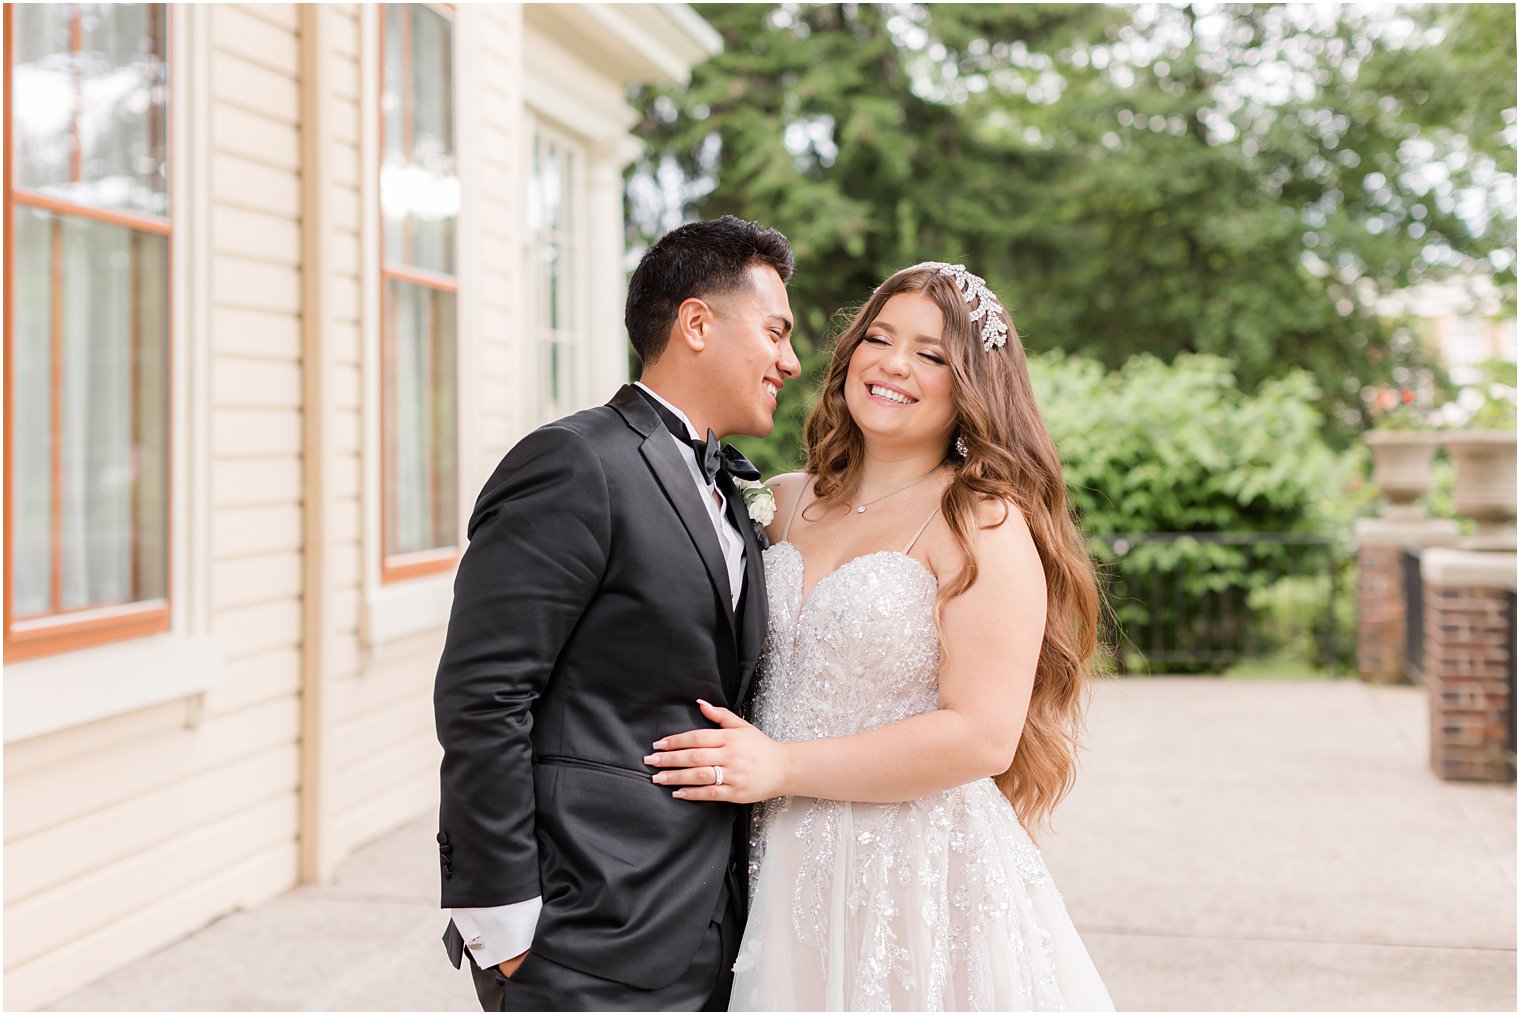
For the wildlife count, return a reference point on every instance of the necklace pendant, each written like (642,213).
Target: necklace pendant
(860,510)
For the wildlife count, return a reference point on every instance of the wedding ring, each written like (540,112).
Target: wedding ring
(717,775)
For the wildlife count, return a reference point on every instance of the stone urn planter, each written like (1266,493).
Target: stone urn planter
(1401,461)
(1485,486)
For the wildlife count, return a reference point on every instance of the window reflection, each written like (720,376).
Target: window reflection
(419,178)
(90,116)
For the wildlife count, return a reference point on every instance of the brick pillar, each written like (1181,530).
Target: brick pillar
(1469,642)
(1380,632)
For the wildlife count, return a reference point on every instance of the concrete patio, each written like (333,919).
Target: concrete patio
(1234,845)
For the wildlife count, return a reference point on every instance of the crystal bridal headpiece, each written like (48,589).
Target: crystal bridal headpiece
(974,289)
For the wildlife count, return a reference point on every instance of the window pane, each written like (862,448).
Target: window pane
(151,441)
(433,139)
(419,180)
(548,380)
(408,472)
(96,414)
(553,302)
(105,98)
(553,188)
(535,187)
(123,126)
(43,76)
(112,439)
(32,406)
(393,169)
(421,421)
(565,241)
(445,423)
(559,369)
(547,191)
(566,222)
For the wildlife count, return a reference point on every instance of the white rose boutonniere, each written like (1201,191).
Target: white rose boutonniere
(759,501)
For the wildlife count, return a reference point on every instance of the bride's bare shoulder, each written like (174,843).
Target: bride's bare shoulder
(787,487)
(789,484)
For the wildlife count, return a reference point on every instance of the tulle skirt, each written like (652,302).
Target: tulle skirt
(937,904)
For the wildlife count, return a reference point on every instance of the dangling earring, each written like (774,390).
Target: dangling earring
(960,445)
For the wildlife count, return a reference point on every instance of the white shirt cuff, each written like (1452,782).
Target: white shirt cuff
(497,933)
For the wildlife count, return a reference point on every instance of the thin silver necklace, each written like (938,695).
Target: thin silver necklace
(860,509)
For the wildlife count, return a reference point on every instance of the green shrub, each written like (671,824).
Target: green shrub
(1179,448)
(1156,447)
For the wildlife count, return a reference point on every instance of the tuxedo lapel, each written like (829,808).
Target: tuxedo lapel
(752,624)
(664,460)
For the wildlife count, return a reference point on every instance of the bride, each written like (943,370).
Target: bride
(932,622)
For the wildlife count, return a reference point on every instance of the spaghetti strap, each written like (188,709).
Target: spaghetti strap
(921,529)
(795,504)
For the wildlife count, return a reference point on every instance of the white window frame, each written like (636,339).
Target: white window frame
(55,692)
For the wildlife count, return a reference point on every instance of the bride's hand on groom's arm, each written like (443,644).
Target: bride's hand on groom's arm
(754,765)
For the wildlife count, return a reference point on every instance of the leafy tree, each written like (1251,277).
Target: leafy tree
(1241,180)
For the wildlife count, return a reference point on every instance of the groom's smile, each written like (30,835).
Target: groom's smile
(753,356)
(772,391)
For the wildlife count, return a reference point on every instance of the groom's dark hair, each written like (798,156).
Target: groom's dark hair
(699,259)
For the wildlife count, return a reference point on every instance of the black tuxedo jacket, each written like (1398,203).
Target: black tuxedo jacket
(591,610)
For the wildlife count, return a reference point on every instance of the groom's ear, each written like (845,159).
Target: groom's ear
(694,321)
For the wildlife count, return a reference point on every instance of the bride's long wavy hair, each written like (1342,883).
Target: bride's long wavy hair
(1009,457)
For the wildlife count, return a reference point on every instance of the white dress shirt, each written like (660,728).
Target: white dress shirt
(494,934)
(729,538)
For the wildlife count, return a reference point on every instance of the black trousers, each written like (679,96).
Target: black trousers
(543,985)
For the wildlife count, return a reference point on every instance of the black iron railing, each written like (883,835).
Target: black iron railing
(1203,602)
(1414,618)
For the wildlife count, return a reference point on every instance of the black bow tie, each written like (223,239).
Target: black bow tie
(713,458)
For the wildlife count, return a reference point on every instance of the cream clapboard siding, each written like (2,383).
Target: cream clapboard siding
(124,834)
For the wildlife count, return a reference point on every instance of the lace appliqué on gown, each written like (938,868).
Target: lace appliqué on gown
(940,903)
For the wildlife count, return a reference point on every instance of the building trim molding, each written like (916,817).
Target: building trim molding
(655,43)
(60,692)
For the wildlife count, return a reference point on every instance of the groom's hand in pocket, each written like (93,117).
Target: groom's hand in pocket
(754,765)
(509,966)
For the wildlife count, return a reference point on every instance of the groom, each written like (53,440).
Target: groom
(613,578)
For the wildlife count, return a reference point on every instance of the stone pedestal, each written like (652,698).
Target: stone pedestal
(1380,632)
(1401,462)
(1469,656)
(1485,487)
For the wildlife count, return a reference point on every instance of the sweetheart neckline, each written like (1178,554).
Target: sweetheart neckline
(808,594)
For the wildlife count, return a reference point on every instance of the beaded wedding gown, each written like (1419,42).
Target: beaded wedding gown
(938,904)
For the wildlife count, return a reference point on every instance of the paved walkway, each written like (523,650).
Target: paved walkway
(1231,845)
